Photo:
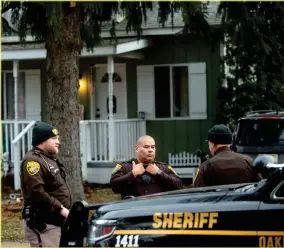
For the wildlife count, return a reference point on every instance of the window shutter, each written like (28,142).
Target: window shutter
(33,95)
(146,90)
(197,91)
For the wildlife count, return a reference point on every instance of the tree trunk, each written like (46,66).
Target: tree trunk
(62,85)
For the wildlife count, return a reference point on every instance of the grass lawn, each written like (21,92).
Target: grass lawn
(12,227)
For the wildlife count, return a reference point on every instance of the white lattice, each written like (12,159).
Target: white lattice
(184,159)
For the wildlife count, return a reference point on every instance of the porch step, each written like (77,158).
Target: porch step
(102,164)
(99,173)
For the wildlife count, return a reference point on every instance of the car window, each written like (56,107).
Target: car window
(261,132)
(280,191)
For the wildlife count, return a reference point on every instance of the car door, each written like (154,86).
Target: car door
(271,215)
(236,226)
(222,224)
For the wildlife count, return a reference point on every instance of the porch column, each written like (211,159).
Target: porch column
(111,131)
(16,76)
(16,150)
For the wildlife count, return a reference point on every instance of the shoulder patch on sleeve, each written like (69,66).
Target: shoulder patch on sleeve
(172,170)
(116,168)
(33,167)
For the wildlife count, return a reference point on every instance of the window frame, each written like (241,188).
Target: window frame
(172,117)
(273,196)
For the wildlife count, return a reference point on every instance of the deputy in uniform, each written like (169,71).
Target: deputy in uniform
(144,175)
(226,166)
(47,198)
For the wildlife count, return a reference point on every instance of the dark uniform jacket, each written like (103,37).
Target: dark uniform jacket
(123,181)
(44,185)
(226,167)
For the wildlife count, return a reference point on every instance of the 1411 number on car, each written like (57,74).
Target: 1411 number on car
(127,241)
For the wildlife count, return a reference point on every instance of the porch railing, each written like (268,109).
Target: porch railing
(21,145)
(126,134)
(9,133)
(16,141)
(94,139)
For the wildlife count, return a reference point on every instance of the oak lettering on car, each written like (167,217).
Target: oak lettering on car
(185,220)
(269,241)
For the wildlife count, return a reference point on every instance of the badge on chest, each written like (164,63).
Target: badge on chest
(53,169)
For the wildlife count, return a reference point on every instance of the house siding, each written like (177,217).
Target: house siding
(174,136)
(167,50)
(33,95)
(178,135)
(171,50)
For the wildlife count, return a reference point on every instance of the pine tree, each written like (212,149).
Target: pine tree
(254,34)
(65,28)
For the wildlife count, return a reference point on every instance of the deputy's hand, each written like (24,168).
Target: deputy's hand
(152,169)
(137,169)
(64,212)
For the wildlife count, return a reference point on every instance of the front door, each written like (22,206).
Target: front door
(119,92)
(271,214)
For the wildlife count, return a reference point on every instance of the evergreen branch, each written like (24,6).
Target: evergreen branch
(9,5)
(6,28)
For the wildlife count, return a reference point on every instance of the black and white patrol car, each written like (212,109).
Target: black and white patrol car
(250,215)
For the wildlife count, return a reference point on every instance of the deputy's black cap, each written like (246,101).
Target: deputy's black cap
(42,132)
(220,134)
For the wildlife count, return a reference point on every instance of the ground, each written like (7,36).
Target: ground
(14,244)
(12,228)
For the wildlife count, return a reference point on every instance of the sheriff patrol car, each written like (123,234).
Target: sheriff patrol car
(250,215)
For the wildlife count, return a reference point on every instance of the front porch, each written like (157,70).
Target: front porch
(108,137)
(99,149)
(171,92)
(101,146)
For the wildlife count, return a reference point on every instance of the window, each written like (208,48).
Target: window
(261,132)
(280,190)
(180,91)
(171,91)
(8,93)
(115,78)
(162,91)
